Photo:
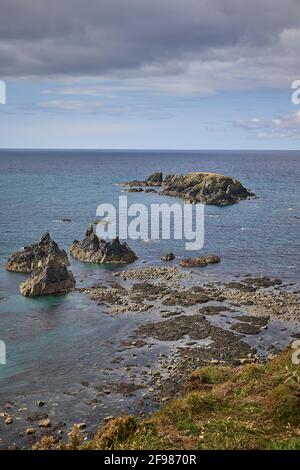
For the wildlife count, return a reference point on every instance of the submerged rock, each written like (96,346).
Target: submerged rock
(200,261)
(49,276)
(93,249)
(206,188)
(23,261)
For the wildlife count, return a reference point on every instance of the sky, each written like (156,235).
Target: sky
(141,74)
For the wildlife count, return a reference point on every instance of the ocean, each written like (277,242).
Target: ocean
(55,343)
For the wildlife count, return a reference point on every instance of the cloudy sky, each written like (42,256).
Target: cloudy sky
(166,74)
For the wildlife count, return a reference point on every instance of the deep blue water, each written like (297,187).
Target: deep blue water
(51,337)
(40,187)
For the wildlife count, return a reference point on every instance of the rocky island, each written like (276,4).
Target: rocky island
(197,187)
(24,261)
(93,249)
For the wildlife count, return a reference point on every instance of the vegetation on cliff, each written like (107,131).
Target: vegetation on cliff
(254,406)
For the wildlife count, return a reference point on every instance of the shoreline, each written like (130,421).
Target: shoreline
(181,326)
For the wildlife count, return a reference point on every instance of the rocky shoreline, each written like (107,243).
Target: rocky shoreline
(180,322)
(187,325)
(260,296)
(245,308)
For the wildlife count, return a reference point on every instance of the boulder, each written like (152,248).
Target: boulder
(200,261)
(23,261)
(93,249)
(49,276)
(193,262)
(168,257)
(212,259)
(206,188)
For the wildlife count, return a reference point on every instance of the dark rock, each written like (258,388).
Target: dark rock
(240,286)
(141,190)
(186,298)
(213,259)
(262,281)
(213,309)
(24,261)
(155,179)
(135,190)
(93,249)
(199,261)
(193,262)
(150,190)
(206,188)
(168,257)
(49,276)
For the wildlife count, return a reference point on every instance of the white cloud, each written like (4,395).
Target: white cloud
(279,127)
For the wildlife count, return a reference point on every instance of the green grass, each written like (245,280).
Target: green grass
(253,406)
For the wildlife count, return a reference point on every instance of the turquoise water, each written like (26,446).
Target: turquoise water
(55,342)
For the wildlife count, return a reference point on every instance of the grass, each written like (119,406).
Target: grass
(253,406)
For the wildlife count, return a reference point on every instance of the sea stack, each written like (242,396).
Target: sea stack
(49,276)
(24,261)
(93,249)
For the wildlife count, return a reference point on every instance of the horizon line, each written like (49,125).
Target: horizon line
(43,149)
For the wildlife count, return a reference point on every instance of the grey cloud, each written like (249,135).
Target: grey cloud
(116,37)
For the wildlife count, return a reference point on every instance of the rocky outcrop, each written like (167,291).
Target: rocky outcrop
(206,188)
(49,276)
(197,187)
(93,249)
(23,261)
(200,261)
(155,179)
